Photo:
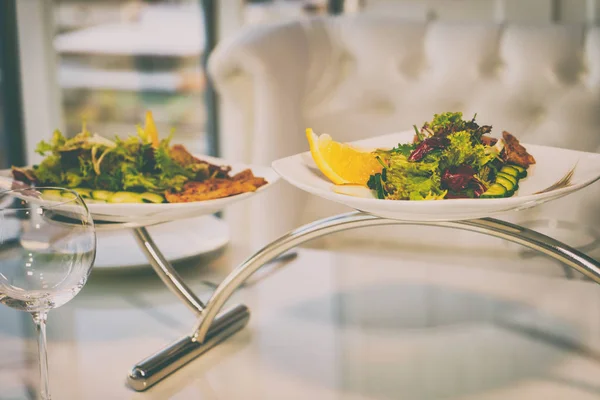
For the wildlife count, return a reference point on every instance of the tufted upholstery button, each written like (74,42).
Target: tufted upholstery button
(499,68)
(569,72)
(381,106)
(412,68)
(538,114)
(347,64)
(492,69)
(583,74)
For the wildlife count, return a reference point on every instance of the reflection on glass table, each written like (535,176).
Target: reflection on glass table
(331,325)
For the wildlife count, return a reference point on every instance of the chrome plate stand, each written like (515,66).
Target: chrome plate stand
(213,327)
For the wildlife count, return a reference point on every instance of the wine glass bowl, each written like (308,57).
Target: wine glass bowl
(47,249)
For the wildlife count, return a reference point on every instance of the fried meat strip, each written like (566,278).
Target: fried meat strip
(24,175)
(515,152)
(183,157)
(216,188)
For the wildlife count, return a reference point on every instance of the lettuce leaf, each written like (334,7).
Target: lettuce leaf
(167,166)
(448,120)
(111,182)
(407,180)
(72,179)
(404,149)
(49,171)
(57,141)
(175,182)
(463,151)
(133,179)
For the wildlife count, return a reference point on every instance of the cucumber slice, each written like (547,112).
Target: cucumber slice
(101,194)
(50,194)
(83,192)
(68,196)
(509,192)
(506,183)
(148,197)
(494,192)
(510,170)
(522,171)
(125,197)
(511,178)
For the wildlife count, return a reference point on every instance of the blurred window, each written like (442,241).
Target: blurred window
(3,147)
(118,59)
(11,132)
(270,11)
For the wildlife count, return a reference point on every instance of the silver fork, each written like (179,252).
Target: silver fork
(270,268)
(563,182)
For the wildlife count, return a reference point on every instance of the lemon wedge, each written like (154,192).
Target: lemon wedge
(342,163)
(150,130)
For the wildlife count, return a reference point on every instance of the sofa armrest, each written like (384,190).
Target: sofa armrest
(260,77)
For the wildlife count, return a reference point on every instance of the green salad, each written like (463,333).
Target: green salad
(118,169)
(451,158)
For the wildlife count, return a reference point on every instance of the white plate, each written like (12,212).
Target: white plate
(118,250)
(153,213)
(551,165)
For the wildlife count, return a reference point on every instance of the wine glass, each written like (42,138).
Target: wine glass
(47,248)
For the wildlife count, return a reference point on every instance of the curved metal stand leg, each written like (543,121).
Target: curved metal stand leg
(166,360)
(166,272)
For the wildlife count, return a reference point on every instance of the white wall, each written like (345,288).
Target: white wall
(41,95)
(566,11)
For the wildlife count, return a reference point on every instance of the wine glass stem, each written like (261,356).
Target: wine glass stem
(39,318)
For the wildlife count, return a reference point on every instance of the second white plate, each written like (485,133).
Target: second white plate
(551,165)
(177,240)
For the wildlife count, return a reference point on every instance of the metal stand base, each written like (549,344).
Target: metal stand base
(213,328)
(168,360)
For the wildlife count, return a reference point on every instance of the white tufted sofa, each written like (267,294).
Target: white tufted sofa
(362,76)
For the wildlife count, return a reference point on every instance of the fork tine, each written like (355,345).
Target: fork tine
(561,183)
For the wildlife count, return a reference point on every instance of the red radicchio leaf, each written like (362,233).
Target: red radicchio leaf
(427,146)
(458,179)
